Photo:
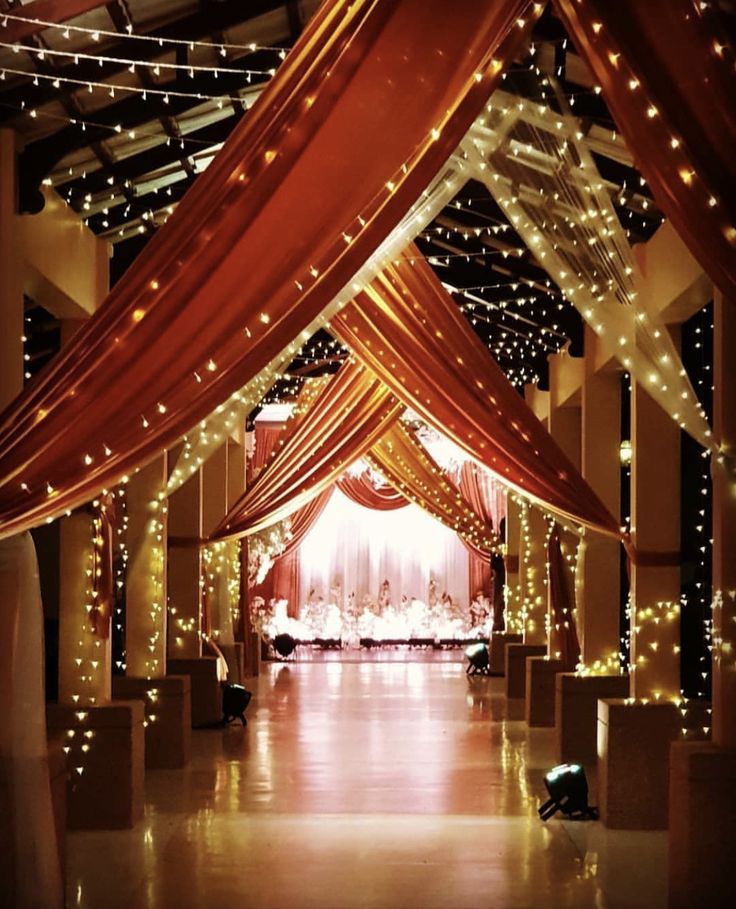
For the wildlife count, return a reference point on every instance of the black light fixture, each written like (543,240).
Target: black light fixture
(478,659)
(568,793)
(235,699)
(284,645)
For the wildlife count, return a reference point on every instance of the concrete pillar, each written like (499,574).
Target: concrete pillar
(598,595)
(702,774)
(184,592)
(655,532)
(145,582)
(11,277)
(512,593)
(634,736)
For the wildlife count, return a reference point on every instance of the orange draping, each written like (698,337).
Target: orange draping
(360,490)
(668,78)
(564,632)
(282,581)
(266,437)
(345,419)
(410,333)
(362,114)
(481,578)
(103,523)
(409,467)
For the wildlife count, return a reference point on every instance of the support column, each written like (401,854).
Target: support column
(702,774)
(533,588)
(512,604)
(185,601)
(167,699)
(11,277)
(634,737)
(597,580)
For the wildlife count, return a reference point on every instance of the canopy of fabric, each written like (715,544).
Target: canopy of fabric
(408,331)
(409,467)
(269,220)
(348,415)
(359,489)
(668,78)
(564,632)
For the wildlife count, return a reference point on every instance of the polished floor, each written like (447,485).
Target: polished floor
(372,784)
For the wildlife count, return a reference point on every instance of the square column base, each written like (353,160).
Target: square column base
(576,713)
(702,826)
(168,705)
(516,655)
(59,778)
(497,650)
(206,692)
(235,657)
(108,793)
(633,763)
(539,705)
(252,654)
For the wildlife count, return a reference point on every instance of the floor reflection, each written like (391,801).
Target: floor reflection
(364,784)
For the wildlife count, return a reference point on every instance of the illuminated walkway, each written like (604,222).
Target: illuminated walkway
(374,784)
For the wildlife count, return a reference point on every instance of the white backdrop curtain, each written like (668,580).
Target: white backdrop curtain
(361,547)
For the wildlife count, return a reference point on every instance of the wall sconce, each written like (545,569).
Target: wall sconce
(624,452)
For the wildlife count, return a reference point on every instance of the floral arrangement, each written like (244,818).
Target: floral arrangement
(264,547)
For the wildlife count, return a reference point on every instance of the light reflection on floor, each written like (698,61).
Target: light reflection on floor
(374,784)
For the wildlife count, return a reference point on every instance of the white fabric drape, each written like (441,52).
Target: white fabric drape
(360,548)
(30,877)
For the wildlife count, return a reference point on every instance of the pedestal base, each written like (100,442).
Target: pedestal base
(633,763)
(252,654)
(235,657)
(497,650)
(516,655)
(539,707)
(205,688)
(168,706)
(702,826)
(576,713)
(105,761)
(59,778)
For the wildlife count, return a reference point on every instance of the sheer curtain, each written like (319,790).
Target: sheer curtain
(361,547)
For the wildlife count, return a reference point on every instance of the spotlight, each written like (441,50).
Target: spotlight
(235,699)
(478,660)
(284,645)
(568,793)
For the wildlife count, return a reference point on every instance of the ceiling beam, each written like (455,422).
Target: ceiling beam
(46,11)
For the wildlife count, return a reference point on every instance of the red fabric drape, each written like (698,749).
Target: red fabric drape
(362,114)
(266,436)
(562,598)
(408,466)
(104,523)
(407,329)
(668,77)
(345,419)
(360,490)
(282,581)
(480,575)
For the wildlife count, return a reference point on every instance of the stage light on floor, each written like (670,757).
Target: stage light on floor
(478,659)
(284,645)
(235,699)
(568,792)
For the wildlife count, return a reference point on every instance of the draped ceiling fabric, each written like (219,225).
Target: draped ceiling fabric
(282,581)
(346,418)
(410,333)
(668,79)
(269,220)
(359,489)
(409,467)
(481,492)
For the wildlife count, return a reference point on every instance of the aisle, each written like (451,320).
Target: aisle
(383,785)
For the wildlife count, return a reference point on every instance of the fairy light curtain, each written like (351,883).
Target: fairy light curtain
(183,330)
(563,631)
(544,178)
(667,74)
(282,581)
(405,327)
(409,467)
(345,419)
